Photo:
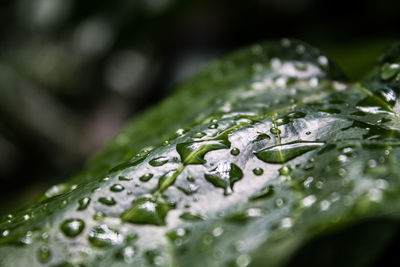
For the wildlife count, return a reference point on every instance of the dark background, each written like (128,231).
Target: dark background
(73,72)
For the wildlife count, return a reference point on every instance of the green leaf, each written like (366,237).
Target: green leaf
(268,157)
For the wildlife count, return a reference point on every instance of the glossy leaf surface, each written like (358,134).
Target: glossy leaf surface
(257,160)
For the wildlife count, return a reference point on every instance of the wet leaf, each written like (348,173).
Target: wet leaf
(268,157)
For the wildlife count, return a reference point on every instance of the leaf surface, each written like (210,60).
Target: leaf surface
(260,158)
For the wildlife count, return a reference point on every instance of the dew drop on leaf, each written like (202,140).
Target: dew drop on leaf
(286,152)
(126,254)
(265,192)
(83,203)
(123,178)
(44,254)
(72,227)
(213,126)
(117,188)
(190,216)
(224,176)
(199,135)
(194,152)
(102,236)
(258,171)
(147,211)
(285,170)
(109,201)
(275,130)
(146,177)
(261,137)
(389,70)
(235,151)
(167,179)
(159,161)
(388,95)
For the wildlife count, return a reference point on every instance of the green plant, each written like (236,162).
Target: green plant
(266,158)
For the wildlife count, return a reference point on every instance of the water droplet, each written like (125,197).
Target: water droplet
(285,42)
(375,194)
(241,217)
(44,254)
(83,203)
(275,130)
(167,179)
(189,189)
(102,236)
(286,222)
(377,103)
(261,137)
(296,115)
(158,161)
(388,70)
(279,202)
(300,49)
(282,121)
(199,135)
(147,211)
(117,188)
(285,170)
(235,151)
(123,178)
(190,179)
(217,231)
(286,152)
(190,216)
(322,60)
(387,95)
(181,131)
(243,260)
(178,235)
(265,192)
(258,171)
(146,177)
(154,258)
(109,201)
(324,205)
(55,190)
(224,176)
(72,227)
(308,201)
(126,254)
(194,152)
(213,126)
(98,216)
(308,181)
(5,233)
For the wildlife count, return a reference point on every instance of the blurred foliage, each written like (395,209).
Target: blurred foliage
(72,72)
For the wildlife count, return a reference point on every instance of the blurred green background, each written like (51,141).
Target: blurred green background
(73,72)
